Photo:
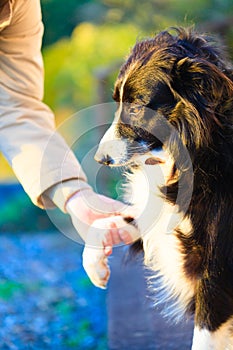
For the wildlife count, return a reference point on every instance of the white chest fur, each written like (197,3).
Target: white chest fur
(157,222)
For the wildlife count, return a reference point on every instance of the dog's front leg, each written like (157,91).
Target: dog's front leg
(101,237)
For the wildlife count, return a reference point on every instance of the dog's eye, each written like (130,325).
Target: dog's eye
(135,110)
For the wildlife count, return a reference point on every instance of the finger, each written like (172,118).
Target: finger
(110,238)
(107,238)
(116,239)
(127,232)
(107,250)
(125,236)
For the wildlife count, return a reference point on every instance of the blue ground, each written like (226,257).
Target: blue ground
(46,300)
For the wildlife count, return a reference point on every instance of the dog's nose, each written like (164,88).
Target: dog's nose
(104,159)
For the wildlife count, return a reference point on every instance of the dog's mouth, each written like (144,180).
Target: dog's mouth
(118,154)
(128,146)
(154,161)
(134,161)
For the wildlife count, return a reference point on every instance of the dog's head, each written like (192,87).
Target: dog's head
(172,90)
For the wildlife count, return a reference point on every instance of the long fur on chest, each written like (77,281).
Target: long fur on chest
(190,254)
(161,223)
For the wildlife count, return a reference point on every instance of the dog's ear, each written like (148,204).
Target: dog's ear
(200,82)
(206,99)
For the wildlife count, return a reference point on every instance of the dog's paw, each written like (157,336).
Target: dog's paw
(95,263)
(101,237)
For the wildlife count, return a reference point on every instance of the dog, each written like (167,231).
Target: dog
(173,137)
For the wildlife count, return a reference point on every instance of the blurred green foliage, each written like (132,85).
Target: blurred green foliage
(151,15)
(155,14)
(18,214)
(60,17)
(105,30)
(73,65)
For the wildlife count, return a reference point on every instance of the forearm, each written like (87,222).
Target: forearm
(38,155)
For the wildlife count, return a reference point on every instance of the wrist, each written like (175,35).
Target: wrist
(62,192)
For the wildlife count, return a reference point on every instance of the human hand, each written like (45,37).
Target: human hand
(99,220)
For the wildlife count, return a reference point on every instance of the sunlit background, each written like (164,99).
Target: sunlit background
(85,42)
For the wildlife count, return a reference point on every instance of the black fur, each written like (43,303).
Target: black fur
(187,78)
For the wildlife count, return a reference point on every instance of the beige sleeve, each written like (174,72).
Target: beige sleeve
(63,191)
(39,156)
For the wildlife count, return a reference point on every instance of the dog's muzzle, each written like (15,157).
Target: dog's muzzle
(104,159)
(112,151)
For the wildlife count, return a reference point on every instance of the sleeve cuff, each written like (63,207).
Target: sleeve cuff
(60,193)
